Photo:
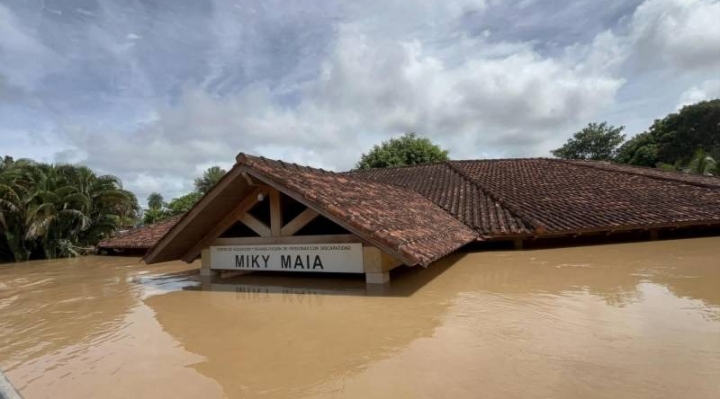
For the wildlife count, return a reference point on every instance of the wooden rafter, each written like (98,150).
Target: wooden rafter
(298,223)
(226,180)
(316,239)
(226,223)
(255,225)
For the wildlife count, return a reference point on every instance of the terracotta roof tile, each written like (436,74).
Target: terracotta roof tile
(141,237)
(559,196)
(395,217)
(456,194)
(695,180)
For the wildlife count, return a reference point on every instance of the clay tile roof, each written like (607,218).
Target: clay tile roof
(141,237)
(456,194)
(695,180)
(571,197)
(422,213)
(394,217)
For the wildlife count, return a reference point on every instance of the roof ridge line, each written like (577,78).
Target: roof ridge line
(538,226)
(594,165)
(393,167)
(248,160)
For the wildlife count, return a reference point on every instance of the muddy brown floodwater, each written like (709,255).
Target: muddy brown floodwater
(637,320)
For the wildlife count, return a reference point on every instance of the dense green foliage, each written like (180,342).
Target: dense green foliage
(158,210)
(675,139)
(182,204)
(58,210)
(596,142)
(210,177)
(686,141)
(406,150)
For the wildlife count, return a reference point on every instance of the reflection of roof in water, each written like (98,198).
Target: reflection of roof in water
(421,213)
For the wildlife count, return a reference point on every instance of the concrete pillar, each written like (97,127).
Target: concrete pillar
(205,270)
(377,278)
(377,265)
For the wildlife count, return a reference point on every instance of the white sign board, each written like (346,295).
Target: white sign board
(328,258)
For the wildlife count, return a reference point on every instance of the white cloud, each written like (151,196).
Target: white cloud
(684,34)
(366,85)
(25,60)
(157,95)
(707,90)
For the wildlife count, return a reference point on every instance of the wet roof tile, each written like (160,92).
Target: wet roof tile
(454,193)
(140,238)
(424,212)
(394,217)
(562,197)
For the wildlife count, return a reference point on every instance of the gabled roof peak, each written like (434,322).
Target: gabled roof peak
(251,161)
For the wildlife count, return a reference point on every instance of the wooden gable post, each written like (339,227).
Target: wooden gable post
(276,221)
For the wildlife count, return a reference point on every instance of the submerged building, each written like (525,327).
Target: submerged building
(270,215)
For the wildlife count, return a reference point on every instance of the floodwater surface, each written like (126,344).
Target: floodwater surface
(638,320)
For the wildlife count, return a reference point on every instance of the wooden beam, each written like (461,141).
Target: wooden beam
(256,225)
(228,179)
(224,224)
(276,220)
(299,222)
(292,240)
(248,179)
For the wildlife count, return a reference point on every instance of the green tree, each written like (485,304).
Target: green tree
(210,177)
(641,150)
(676,138)
(595,142)
(49,211)
(406,150)
(702,164)
(155,201)
(13,209)
(154,215)
(6,162)
(180,205)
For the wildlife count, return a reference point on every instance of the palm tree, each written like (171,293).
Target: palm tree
(109,206)
(6,162)
(702,164)
(155,201)
(13,208)
(58,210)
(209,178)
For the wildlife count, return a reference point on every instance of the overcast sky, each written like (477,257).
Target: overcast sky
(155,91)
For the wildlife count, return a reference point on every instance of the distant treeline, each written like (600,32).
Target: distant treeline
(159,210)
(688,141)
(58,210)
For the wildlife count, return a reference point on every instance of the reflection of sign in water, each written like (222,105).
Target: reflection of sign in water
(332,258)
(289,295)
